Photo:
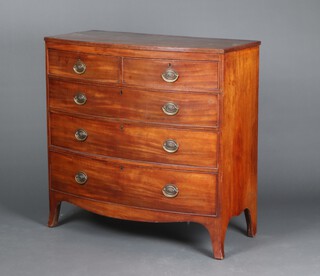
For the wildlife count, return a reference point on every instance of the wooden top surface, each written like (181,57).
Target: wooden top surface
(153,42)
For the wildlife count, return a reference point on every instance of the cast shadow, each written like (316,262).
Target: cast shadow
(194,236)
(274,224)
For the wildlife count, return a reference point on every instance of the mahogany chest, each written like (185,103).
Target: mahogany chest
(154,128)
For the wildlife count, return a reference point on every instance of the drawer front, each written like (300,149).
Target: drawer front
(136,142)
(134,185)
(141,105)
(192,75)
(89,66)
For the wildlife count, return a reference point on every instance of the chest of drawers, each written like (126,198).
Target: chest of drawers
(154,128)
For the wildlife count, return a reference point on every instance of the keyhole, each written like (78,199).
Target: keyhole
(121,168)
(121,92)
(121,127)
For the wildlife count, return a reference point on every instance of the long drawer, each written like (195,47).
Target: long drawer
(135,141)
(84,66)
(171,190)
(193,109)
(171,74)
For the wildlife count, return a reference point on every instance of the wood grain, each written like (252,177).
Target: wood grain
(193,75)
(195,109)
(134,185)
(135,142)
(100,49)
(99,68)
(239,138)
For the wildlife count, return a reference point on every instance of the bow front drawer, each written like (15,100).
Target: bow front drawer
(133,185)
(135,141)
(84,66)
(189,109)
(187,75)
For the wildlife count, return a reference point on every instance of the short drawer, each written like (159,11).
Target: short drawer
(135,141)
(84,66)
(134,185)
(171,74)
(192,109)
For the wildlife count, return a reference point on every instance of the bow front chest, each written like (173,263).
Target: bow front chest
(154,128)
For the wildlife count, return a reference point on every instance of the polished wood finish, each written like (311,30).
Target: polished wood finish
(239,137)
(135,104)
(151,42)
(102,49)
(135,142)
(98,68)
(193,75)
(215,167)
(134,185)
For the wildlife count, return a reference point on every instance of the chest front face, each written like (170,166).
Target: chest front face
(135,130)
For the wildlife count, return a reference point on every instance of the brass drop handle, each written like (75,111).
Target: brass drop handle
(170,146)
(170,190)
(81,135)
(79,67)
(170,109)
(170,75)
(81,178)
(80,99)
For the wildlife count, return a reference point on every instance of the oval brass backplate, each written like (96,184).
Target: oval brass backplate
(81,178)
(170,146)
(81,135)
(170,190)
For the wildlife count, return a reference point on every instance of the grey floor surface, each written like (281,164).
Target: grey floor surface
(288,243)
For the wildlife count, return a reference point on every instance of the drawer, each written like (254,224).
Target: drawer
(192,75)
(89,66)
(194,109)
(135,141)
(134,185)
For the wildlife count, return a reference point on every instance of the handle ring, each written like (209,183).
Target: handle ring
(79,67)
(170,109)
(80,99)
(170,75)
